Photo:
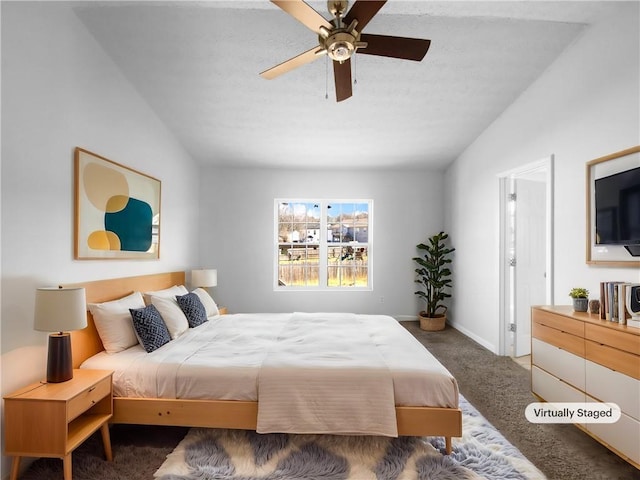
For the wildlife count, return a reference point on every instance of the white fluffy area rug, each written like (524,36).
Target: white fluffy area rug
(215,454)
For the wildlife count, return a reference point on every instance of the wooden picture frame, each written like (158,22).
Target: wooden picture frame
(607,255)
(117,210)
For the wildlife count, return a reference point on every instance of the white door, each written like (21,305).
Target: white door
(529,265)
(526,254)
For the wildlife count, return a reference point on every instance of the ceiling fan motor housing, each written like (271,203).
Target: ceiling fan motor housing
(341,41)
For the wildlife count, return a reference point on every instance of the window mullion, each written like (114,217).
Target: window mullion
(322,261)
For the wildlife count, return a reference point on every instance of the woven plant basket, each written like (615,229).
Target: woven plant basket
(432,324)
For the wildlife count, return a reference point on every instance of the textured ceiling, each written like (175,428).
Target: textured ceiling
(197,65)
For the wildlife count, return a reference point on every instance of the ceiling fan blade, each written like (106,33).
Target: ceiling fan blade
(342,76)
(363,11)
(302,12)
(395,47)
(295,62)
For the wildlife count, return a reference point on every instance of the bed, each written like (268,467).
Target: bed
(204,406)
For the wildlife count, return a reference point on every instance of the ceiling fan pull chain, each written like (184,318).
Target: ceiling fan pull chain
(355,68)
(326,78)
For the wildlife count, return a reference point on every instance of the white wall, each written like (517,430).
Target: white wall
(237,210)
(583,107)
(60,90)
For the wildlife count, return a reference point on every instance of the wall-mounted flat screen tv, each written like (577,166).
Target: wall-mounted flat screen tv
(617,202)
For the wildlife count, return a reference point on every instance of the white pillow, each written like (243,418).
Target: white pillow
(113,322)
(167,292)
(172,314)
(208,302)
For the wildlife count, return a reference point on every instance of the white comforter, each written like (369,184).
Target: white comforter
(324,374)
(223,359)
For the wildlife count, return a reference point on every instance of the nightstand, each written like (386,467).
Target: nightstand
(53,419)
(222,310)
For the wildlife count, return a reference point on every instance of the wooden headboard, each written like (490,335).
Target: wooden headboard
(86,342)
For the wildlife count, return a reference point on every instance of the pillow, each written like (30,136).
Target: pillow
(172,315)
(193,309)
(208,302)
(167,292)
(113,322)
(150,328)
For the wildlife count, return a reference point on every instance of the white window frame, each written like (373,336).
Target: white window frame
(323,246)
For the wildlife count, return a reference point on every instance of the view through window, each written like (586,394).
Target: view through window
(323,243)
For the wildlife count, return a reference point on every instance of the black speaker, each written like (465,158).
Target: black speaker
(633,300)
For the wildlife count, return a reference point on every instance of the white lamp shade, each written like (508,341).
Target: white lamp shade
(204,277)
(60,309)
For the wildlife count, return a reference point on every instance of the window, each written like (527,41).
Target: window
(323,244)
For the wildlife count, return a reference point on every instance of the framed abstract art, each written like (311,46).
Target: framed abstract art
(117,210)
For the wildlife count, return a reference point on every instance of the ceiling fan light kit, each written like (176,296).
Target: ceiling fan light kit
(339,40)
(341,43)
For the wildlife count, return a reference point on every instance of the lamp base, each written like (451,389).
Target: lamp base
(59,367)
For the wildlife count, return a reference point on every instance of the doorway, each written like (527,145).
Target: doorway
(526,251)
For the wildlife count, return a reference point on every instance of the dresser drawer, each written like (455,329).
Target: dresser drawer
(559,322)
(88,398)
(624,435)
(614,338)
(552,389)
(563,340)
(560,363)
(609,386)
(613,358)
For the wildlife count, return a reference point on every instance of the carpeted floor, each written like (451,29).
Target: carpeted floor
(501,389)
(496,386)
(481,452)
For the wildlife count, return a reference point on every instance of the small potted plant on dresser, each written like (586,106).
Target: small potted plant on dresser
(435,277)
(580,298)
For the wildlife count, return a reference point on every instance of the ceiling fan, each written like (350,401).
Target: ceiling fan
(342,36)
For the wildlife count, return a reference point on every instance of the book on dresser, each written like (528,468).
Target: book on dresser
(613,303)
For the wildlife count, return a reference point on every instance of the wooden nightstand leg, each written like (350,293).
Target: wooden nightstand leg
(106,441)
(66,466)
(15,467)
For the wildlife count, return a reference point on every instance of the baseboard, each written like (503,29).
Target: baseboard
(464,331)
(474,337)
(405,318)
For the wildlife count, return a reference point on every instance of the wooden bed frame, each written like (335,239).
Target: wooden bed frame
(412,421)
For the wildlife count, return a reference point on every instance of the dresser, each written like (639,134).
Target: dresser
(577,357)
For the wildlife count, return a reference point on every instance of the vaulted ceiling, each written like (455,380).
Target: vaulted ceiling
(197,66)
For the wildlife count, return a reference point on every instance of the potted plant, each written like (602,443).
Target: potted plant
(435,277)
(580,299)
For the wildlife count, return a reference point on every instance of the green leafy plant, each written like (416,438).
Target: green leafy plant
(579,293)
(433,273)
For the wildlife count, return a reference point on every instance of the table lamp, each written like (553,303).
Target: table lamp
(60,310)
(204,277)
